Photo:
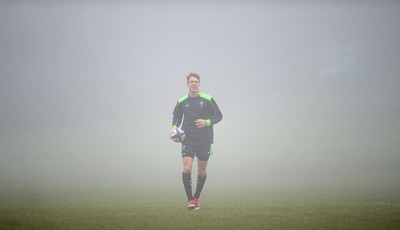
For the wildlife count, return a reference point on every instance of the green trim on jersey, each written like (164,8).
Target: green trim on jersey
(201,94)
(183,98)
(205,96)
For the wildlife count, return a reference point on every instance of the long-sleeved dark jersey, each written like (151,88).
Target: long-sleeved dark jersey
(190,109)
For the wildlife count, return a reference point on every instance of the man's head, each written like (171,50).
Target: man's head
(195,75)
(193,83)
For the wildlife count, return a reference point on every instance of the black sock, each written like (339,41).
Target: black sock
(200,184)
(187,183)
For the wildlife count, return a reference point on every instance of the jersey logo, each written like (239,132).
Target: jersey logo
(201,103)
(186,105)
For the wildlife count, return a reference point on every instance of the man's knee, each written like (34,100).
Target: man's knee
(187,170)
(187,164)
(202,169)
(202,173)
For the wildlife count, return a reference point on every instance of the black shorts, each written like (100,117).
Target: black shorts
(202,152)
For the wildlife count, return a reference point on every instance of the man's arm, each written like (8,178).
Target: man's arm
(177,116)
(216,116)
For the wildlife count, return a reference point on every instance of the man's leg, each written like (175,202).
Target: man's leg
(187,176)
(201,179)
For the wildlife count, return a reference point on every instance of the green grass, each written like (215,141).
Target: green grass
(242,213)
(212,216)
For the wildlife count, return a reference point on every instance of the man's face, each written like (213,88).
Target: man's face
(193,85)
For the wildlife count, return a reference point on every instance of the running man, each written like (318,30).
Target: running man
(199,112)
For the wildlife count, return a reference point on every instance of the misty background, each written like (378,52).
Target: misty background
(309,91)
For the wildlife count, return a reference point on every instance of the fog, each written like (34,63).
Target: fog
(309,92)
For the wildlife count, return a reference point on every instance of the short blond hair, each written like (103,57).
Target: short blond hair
(193,75)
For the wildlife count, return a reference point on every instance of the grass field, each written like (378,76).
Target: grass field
(240,211)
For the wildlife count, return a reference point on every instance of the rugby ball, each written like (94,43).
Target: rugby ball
(177,135)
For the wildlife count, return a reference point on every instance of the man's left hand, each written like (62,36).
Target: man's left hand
(200,123)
